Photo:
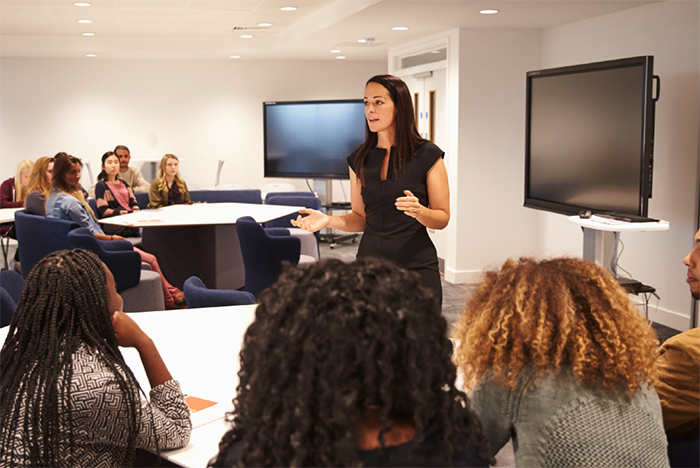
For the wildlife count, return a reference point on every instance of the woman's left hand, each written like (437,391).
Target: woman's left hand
(409,204)
(127,332)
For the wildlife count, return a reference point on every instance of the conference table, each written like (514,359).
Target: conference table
(200,348)
(199,240)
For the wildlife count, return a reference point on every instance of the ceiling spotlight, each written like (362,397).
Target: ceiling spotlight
(84,21)
(400,28)
(488,12)
(82,4)
(340,57)
(88,34)
(335,51)
(264,25)
(235,56)
(288,8)
(246,36)
(369,41)
(90,55)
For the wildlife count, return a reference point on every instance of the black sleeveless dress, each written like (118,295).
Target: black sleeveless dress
(389,233)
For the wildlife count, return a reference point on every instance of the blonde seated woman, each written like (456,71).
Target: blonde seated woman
(66,201)
(560,361)
(168,188)
(39,186)
(13,191)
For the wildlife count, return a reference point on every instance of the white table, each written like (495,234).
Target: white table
(7,215)
(200,348)
(199,239)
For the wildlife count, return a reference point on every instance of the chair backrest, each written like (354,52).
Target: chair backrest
(293,194)
(263,254)
(13,283)
(141,200)
(312,202)
(38,236)
(93,205)
(125,265)
(7,307)
(226,196)
(197,295)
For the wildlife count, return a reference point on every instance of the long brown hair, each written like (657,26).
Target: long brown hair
(62,164)
(407,137)
(551,314)
(163,187)
(37,178)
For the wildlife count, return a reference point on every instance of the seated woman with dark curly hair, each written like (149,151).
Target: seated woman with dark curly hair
(67,398)
(349,365)
(561,362)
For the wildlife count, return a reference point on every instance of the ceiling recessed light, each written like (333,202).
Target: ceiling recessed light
(246,36)
(84,21)
(400,28)
(288,8)
(235,56)
(82,4)
(362,41)
(88,34)
(335,51)
(488,12)
(265,25)
(90,55)
(340,57)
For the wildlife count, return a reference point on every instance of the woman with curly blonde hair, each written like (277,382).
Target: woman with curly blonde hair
(559,359)
(168,188)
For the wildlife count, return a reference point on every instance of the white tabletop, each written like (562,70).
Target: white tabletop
(200,214)
(604,224)
(7,215)
(200,348)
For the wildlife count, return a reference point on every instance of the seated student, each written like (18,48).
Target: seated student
(114,197)
(168,188)
(67,396)
(561,362)
(13,191)
(66,201)
(349,365)
(39,186)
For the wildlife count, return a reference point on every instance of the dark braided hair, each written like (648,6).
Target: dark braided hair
(331,339)
(63,305)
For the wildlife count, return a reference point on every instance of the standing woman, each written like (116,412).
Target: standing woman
(114,197)
(66,201)
(67,398)
(398,186)
(13,191)
(168,188)
(39,186)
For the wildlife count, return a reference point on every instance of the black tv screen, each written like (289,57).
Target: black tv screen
(589,137)
(312,139)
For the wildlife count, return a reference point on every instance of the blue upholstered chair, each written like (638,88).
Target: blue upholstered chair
(227,196)
(38,236)
(198,295)
(142,200)
(93,205)
(305,199)
(263,252)
(11,285)
(140,289)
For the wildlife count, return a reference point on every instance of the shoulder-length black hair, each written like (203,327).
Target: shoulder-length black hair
(103,175)
(407,137)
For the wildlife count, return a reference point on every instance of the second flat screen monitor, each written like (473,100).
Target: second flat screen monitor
(312,139)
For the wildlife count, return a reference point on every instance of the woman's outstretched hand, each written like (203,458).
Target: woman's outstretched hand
(315,220)
(409,204)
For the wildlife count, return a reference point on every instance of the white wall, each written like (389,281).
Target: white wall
(201,111)
(669,31)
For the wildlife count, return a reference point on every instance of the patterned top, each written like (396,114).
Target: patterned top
(100,418)
(556,421)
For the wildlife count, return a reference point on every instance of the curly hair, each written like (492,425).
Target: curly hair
(563,312)
(64,304)
(331,339)
(163,186)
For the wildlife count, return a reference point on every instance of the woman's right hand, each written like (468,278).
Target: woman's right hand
(315,221)
(127,332)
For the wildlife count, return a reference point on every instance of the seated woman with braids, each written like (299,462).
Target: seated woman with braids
(562,362)
(349,365)
(66,201)
(67,398)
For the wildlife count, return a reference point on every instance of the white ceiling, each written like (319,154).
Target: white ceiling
(204,29)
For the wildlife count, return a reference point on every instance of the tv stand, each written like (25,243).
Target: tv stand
(331,235)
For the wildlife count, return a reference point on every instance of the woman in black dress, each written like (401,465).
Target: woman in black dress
(398,186)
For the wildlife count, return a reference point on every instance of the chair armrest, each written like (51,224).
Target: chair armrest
(116,245)
(277,231)
(145,266)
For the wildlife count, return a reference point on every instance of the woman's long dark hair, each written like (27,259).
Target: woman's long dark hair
(63,305)
(62,164)
(103,175)
(407,137)
(330,340)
